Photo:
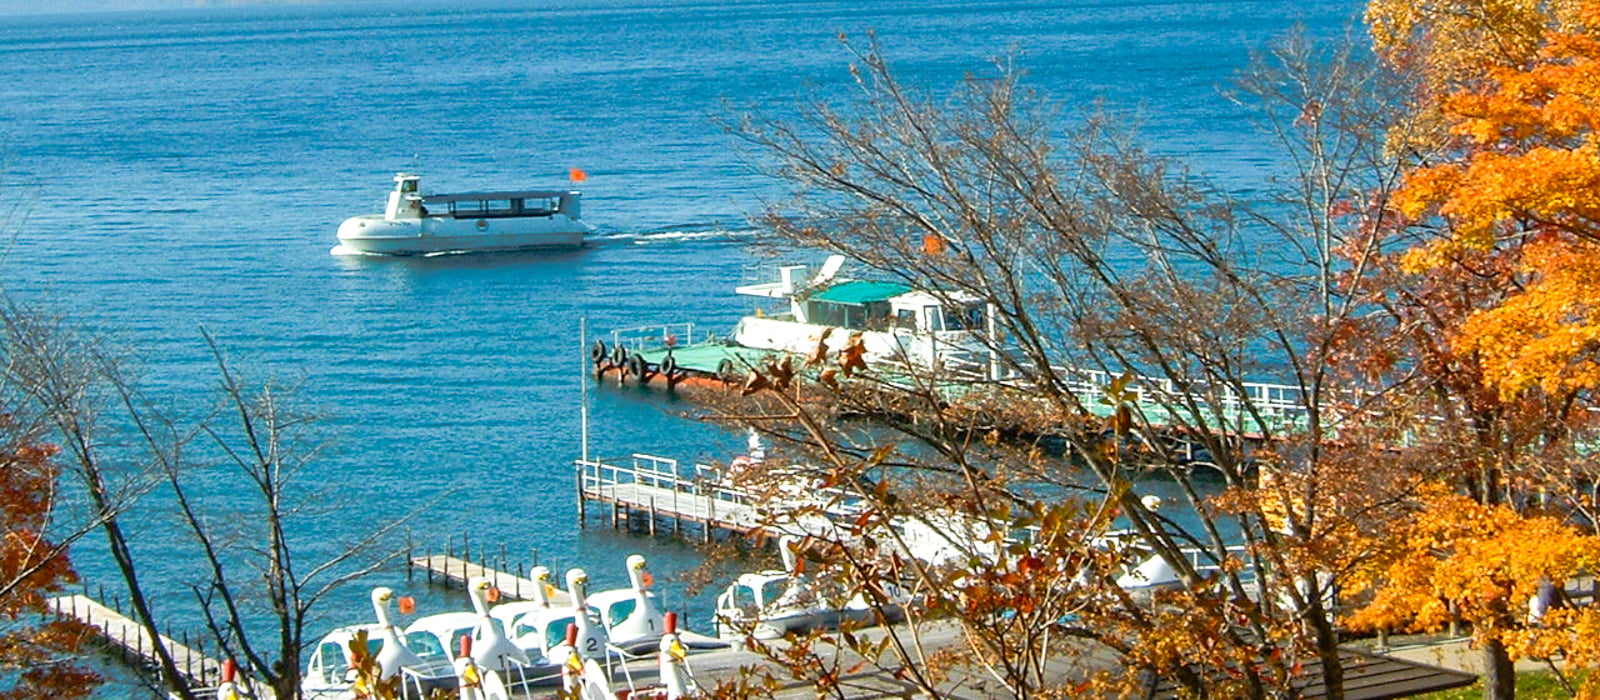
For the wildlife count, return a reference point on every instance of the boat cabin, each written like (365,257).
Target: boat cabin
(868,305)
(407,201)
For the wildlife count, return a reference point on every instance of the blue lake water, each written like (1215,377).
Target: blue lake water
(187,169)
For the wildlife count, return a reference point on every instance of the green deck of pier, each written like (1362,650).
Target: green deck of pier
(707,357)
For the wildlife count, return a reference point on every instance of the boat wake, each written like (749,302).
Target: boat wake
(675,235)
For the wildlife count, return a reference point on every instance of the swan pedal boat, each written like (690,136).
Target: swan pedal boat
(329,672)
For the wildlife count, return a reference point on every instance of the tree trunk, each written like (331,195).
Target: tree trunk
(1499,674)
(1327,643)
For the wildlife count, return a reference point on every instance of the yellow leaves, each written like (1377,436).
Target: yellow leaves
(1525,120)
(1450,41)
(1458,559)
(1547,337)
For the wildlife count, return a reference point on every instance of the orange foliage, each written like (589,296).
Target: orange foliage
(1545,338)
(1459,559)
(31,648)
(1520,175)
(1450,41)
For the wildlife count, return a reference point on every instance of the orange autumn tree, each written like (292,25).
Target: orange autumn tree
(36,652)
(1499,213)
(1519,183)
(1462,560)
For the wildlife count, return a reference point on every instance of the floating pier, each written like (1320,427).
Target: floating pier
(451,570)
(136,644)
(658,492)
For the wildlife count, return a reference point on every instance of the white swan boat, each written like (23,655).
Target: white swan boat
(492,649)
(771,604)
(424,665)
(634,619)
(632,616)
(537,626)
(415,223)
(894,323)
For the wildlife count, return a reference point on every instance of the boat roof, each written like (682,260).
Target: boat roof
(481,196)
(857,292)
(449,621)
(614,594)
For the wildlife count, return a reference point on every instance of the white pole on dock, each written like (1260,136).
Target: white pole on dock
(583,372)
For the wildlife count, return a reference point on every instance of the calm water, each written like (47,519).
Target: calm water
(187,169)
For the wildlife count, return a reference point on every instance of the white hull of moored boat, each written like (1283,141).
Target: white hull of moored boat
(894,324)
(374,235)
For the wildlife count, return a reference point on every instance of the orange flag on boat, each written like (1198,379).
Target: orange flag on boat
(577,175)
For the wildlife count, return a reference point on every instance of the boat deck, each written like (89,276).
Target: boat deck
(708,358)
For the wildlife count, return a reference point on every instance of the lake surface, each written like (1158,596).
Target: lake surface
(187,169)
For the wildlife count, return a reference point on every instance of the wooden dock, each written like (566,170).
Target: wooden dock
(662,492)
(452,570)
(135,643)
(1250,410)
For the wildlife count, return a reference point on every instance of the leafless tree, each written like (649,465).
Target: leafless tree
(255,589)
(1136,310)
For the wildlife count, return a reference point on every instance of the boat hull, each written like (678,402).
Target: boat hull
(375,235)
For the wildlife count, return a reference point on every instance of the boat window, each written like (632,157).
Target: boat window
(934,316)
(620,611)
(967,318)
(774,589)
(424,644)
(538,207)
(744,597)
(408,186)
(905,318)
(556,633)
(484,208)
(330,657)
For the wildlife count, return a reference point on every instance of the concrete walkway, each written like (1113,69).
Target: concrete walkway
(1457,654)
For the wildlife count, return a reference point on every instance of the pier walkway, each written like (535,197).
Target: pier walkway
(662,490)
(1249,409)
(452,570)
(136,644)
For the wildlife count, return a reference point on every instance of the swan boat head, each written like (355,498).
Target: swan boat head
(490,646)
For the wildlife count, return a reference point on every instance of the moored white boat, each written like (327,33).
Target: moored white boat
(632,616)
(634,619)
(415,223)
(770,604)
(422,663)
(894,323)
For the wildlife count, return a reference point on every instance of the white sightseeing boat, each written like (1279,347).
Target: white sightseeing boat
(895,324)
(415,223)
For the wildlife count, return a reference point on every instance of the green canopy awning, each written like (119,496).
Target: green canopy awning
(858,292)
